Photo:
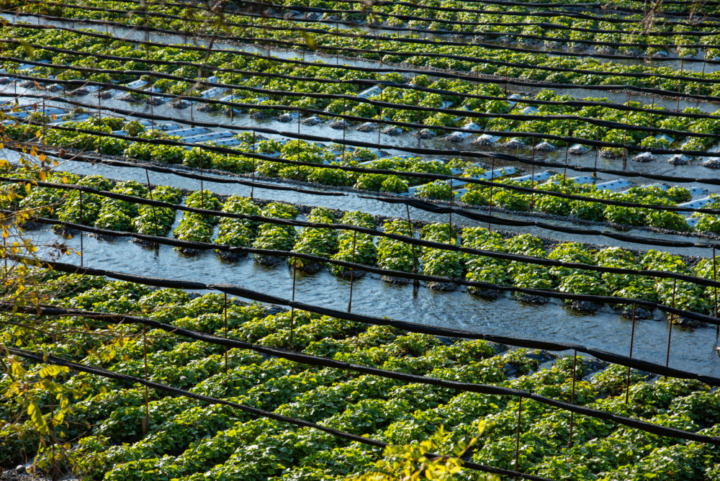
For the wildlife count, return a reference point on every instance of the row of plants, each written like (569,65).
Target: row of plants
(441,190)
(187,439)
(512,26)
(397,255)
(586,210)
(585,71)
(453,97)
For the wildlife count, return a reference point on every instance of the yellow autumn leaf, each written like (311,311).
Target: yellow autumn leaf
(37,419)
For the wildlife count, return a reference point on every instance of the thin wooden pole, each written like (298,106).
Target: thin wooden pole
(146,425)
(670,325)
(252,187)
(352,272)
(572,399)
(717,328)
(416,282)
(517,435)
(292,308)
(632,342)
(82,249)
(226,331)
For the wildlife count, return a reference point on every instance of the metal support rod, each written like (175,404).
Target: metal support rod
(82,250)
(5,256)
(252,187)
(597,152)
(717,328)
(352,272)
(670,325)
(572,399)
(152,207)
(517,435)
(292,308)
(146,425)
(416,282)
(226,330)
(492,180)
(532,177)
(682,68)
(202,183)
(632,342)
(567,150)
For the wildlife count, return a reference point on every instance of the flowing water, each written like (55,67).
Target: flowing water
(691,349)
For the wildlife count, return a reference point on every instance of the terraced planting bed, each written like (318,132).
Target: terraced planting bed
(310,240)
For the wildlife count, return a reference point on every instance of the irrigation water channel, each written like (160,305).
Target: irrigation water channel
(692,349)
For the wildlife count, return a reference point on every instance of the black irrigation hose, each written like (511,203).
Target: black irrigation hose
(420,175)
(410,125)
(435,208)
(433,71)
(573,15)
(475,43)
(419,204)
(418,6)
(96,371)
(473,34)
(357,81)
(474,60)
(606,356)
(413,241)
(486,183)
(545,38)
(380,103)
(462,32)
(197,245)
(430,207)
(412,378)
(406,40)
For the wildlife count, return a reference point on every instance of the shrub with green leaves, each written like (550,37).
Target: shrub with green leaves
(154,220)
(396,255)
(355,246)
(238,232)
(483,268)
(316,241)
(87,213)
(198,227)
(116,214)
(438,190)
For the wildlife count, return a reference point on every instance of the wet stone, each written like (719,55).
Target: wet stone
(645,157)
(585,307)
(712,164)
(392,131)
(605,50)
(339,124)
(367,127)
(641,314)
(79,92)
(532,299)
(545,147)
(311,121)
(514,144)
(679,159)
(425,134)
(261,115)
(180,104)
(578,149)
